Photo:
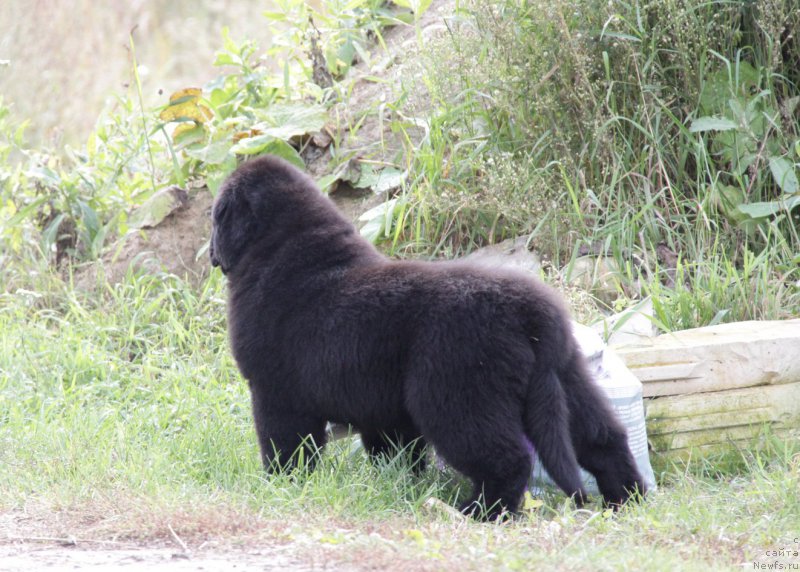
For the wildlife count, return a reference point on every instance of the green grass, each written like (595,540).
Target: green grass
(124,411)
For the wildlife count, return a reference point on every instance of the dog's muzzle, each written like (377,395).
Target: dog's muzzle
(214,260)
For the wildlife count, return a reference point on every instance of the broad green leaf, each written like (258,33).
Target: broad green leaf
(100,238)
(214,153)
(719,86)
(421,6)
(226,59)
(286,151)
(372,229)
(28,210)
(227,42)
(418,6)
(217,176)
(325,183)
(387,19)
(760,210)
(727,199)
(767,209)
(89,218)
(19,133)
(381,181)
(290,120)
(266,145)
(252,145)
(719,316)
(188,133)
(50,234)
(274,16)
(339,59)
(783,170)
(45,175)
(377,220)
(158,207)
(712,124)
(737,148)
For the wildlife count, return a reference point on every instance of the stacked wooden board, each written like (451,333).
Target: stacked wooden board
(709,388)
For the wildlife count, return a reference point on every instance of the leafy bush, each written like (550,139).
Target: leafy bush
(623,125)
(66,205)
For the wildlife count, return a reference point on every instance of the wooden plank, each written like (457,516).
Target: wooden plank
(717,358)
(673,452)
(705,439)
(700,420)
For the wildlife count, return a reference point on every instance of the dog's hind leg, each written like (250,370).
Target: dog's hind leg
(497,462)
(478,433)
(286,438)
(402,437)
(547,425)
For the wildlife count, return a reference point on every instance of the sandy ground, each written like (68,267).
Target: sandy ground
(24,557)
(19,559)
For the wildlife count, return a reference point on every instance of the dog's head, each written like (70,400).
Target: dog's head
(252,197)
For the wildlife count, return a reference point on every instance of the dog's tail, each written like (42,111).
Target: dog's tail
(599,439)
(547,426)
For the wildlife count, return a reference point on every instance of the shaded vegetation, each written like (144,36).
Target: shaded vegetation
(617,127)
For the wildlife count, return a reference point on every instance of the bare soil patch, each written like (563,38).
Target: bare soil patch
(23,557)
(143,537)
(174,246)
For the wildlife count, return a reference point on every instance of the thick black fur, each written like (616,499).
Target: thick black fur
(479,363)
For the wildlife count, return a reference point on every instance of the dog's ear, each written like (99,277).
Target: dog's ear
(232,225)
(227,246)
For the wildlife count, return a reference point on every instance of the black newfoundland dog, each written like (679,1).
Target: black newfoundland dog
(481,364)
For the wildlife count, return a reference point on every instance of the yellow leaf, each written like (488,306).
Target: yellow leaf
(331,539)
(530,503)
(186,133)
(186,105)
(415,535)
(185,94)
(245,134)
